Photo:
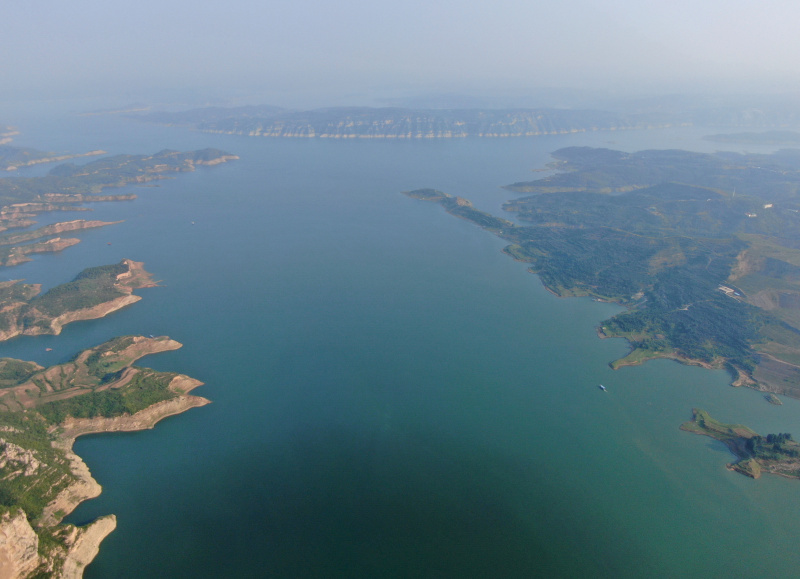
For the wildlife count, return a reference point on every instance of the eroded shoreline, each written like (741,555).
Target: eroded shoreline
(98,391)
(66,434)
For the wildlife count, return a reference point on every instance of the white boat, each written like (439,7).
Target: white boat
(603,388)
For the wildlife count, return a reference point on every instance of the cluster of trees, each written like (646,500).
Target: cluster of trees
(773,446)
(659,231)
(28,430)
(144,390)
(13,372)
(693,318)
(482,218)
(594,260)
(91,287)
(102,364)
(671,282)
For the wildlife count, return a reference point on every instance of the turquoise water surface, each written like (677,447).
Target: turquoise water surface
(393,396)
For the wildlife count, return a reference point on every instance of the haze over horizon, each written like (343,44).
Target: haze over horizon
(312,53)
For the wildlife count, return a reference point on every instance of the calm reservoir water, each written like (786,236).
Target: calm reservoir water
(392,396)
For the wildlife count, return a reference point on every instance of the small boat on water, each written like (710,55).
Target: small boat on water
(603,388)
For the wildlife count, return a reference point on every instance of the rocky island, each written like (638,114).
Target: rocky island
(702,250)
(774,453)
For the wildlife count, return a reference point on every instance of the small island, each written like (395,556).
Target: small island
(774,453)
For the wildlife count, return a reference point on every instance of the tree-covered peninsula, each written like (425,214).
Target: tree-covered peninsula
(774,453)
(70,183)
(42,410)
(94,293)
(703,250)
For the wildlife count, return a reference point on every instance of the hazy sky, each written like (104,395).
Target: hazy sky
(359,47)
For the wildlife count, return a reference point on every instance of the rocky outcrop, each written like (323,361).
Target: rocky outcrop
(20,254)
(83,489)
(217,161)
(84,544)
(19,458)
(69,549)
(399,123)
(79,198)
(54,229)
(16,216)
(19,546)
(28,210)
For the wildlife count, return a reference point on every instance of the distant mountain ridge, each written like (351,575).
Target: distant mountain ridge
(394,122)
(420,123)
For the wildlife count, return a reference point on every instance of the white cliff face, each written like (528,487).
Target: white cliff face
(19,546)
(84,545)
